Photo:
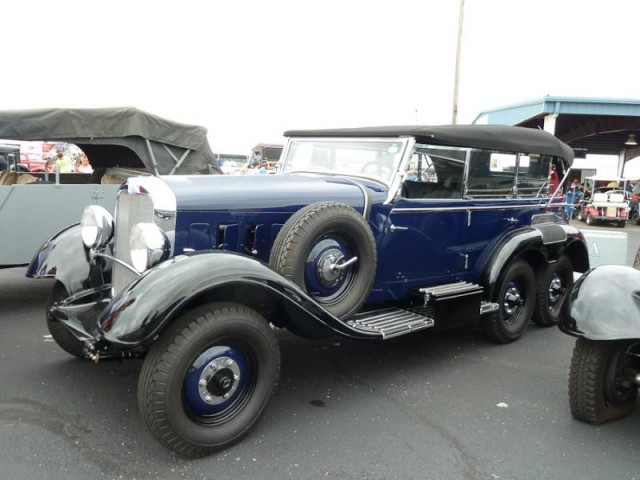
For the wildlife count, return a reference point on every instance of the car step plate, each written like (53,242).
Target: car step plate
(390,322)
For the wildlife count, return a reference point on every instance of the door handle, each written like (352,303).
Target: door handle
(512,220)
(393,228)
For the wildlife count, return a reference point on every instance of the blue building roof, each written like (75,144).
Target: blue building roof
(593,125)
(520,112)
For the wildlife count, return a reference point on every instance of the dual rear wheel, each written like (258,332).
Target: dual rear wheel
(522,298)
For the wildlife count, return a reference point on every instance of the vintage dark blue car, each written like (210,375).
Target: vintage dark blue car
(368,233)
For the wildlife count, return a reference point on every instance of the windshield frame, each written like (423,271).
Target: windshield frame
(406,145)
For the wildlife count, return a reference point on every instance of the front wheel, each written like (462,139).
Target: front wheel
(516,298)
(601,386)
(208,379)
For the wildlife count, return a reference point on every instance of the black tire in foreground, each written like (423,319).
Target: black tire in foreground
(63,337)
(207,380)
(516,297)
(600,389)
(328,250)
(554,285)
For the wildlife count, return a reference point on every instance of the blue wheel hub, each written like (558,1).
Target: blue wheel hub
(215,380)
(325,275)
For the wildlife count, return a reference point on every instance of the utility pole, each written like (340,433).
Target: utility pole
(454,115)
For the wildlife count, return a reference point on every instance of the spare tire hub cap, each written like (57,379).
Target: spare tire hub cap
(327,276)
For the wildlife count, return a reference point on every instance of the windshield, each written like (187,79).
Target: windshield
(377,159)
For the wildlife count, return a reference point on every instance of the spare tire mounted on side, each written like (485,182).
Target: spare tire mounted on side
(328,250)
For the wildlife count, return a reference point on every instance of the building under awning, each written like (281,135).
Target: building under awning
(601,126)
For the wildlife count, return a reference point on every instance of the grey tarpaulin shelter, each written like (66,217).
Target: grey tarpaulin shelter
(118,141)
(124,136)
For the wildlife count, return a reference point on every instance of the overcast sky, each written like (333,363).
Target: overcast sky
(248,71)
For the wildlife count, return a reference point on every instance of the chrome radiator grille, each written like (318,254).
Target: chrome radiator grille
(130,209)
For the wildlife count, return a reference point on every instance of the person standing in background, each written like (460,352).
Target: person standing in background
(62,163)
(84,166)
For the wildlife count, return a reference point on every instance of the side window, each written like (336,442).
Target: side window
(434,173)
(533,175)
(491,174)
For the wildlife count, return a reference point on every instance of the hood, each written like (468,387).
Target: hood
(267,192)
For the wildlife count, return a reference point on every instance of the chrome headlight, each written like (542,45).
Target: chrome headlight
(149,246)
(96,226)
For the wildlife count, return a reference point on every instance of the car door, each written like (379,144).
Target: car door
(438,235)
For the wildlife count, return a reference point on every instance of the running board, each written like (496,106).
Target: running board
(390,322)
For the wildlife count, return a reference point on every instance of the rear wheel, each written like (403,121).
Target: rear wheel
(516,298)
(590,220)
(600,380)
(61,335)
(208,379)
(554,285)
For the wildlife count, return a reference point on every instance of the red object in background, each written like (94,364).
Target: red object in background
(47,147)
(33,161)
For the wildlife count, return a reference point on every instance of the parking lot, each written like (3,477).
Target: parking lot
(445,405)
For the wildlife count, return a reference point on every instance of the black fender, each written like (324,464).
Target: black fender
(65,258)
(538,245)
(604,305)
(141,311)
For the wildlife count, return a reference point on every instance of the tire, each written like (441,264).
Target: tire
(553,286)
(317,238)
(579,215)
(598,392)
(63,337)
(230,348)
(621,224)
(590,220)
(516,297)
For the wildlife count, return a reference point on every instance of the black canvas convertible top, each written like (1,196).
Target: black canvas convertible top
(496,137)
(124,136)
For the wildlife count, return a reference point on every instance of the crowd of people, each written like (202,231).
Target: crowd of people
(77,162)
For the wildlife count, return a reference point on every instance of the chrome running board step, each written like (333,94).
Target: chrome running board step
(390,322)
(449,290)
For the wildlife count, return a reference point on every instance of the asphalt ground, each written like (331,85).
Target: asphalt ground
(447,405)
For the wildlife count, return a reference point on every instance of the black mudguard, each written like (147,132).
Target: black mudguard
(65,258)
(604,305)
(140,312)
(539,245)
